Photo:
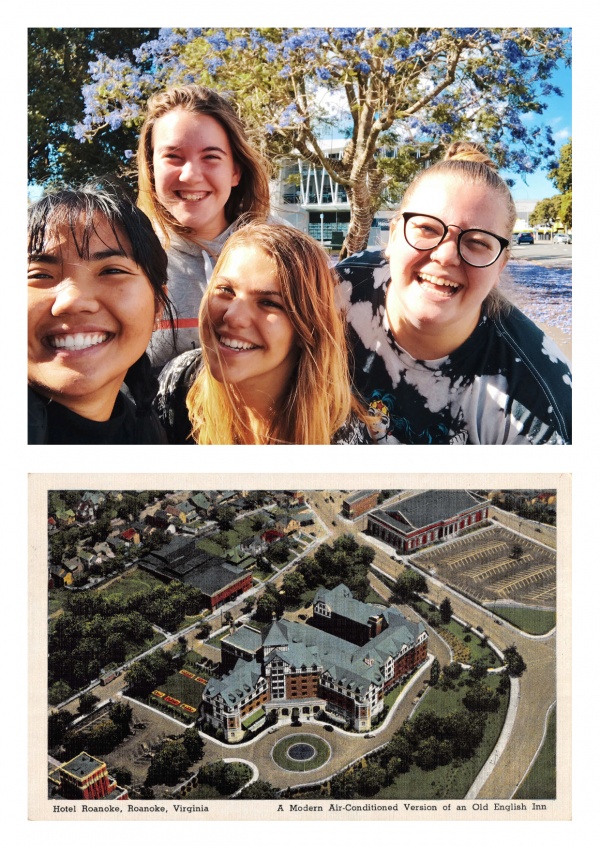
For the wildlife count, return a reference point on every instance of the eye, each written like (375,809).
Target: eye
(479,242)
(223,291)
(38,274)
(273,304)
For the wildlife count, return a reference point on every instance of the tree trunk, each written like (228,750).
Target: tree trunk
(363,205)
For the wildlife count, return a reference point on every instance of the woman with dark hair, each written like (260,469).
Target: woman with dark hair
(429,329)
(96,286)
(197,176)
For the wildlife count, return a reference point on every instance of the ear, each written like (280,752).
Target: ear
(236,175)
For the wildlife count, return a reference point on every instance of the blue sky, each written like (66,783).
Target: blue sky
(558,116)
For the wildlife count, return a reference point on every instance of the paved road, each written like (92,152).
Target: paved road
(544,252)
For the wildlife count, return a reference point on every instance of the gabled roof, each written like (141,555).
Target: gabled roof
(346,663)
(430,507)
(236,685)
(245,638)
(341,601)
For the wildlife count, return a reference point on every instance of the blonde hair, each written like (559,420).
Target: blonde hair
(469,161)
(319,399)
(250,197)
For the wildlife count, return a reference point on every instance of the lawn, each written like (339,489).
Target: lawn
(183,688)
(530,620)
(474,644)
(541,779)
(453,780)
(322,752)
(136,581)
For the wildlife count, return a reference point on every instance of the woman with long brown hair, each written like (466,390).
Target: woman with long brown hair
(273,364)
(197,174)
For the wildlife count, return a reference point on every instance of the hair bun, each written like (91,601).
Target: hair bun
(469,151)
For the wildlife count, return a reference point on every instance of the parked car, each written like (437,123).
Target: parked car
(525,238)
(562,238)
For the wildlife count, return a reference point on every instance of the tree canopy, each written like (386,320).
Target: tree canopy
(58,68)
(408,90)
(560,206)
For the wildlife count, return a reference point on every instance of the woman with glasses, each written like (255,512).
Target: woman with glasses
(457,363)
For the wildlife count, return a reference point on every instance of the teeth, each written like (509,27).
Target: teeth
(199,196)
(435,280)
(237,345)
(78,341)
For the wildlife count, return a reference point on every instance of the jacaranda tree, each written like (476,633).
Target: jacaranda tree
(412,90)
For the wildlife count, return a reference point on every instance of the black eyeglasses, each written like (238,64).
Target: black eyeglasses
(475,246)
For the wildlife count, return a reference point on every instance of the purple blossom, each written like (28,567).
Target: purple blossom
(272,53)
(213,63)
(362,67)
(129,154)
(345,34)
(323,73)
(218,41)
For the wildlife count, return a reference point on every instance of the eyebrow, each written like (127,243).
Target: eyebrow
(99,255)
(255,292)
(173,147)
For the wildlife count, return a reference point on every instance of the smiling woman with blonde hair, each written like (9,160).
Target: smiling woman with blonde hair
(273,366)
(429,330)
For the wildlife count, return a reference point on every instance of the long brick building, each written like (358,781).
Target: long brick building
(425,518)
(343,662)
(181,560)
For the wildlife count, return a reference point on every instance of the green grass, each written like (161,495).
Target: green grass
(373,596)
(530,620)
(136,581)
(474,645)
(258,715)
(179,686)
(281,758)
(211,546)
(453,780)
(541,779)
(57,601)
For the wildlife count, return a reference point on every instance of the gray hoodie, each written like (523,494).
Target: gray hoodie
(189,271)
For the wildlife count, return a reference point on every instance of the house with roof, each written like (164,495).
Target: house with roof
(218,579)
(131,536)
(302,669)
(358,502)
(84,777)
(90,502)
(427,517)
(201,504)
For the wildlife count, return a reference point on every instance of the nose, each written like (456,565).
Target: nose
(191,171)
(446,252)
(237,313)
(73,296)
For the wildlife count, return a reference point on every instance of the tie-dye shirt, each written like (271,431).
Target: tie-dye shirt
(508,383)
